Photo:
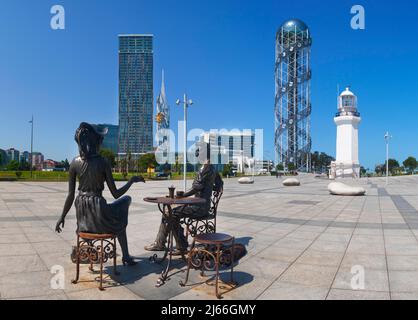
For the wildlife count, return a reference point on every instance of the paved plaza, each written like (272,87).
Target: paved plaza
(302,242)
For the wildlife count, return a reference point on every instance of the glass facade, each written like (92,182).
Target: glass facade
(110,140)
(135,94)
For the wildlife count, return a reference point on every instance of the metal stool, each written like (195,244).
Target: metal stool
(205,258)
(95,248)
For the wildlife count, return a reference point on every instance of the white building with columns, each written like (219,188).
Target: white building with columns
(347,120)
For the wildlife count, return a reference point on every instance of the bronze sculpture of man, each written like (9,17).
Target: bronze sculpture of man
(206,180)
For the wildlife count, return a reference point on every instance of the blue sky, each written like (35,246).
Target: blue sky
(222,53)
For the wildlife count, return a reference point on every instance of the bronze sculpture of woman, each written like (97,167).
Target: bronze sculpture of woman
(94,214)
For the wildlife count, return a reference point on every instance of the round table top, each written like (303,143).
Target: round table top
(170,201)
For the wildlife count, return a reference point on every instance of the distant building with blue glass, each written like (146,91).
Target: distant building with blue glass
(111,138)
(135,94)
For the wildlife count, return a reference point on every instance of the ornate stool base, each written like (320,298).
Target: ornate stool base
(96,249)
(210,257)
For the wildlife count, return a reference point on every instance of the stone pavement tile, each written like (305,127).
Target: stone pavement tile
(371,239)
(39,230)
(293,243)
(200,292)
(51,247)
(304,235)
(112,293)
(21,264)
(366,248)
(313,228)
(321,258)
(338,294)
(397,232)
(407,240)
(375,280)
(9,225)
(275,231)
(403,281)
(402,249)
(368,261)
(280,253)
(402,263)
(321,245)
(335,237)
(43,237)
(404,295)
(254,276)
(55,296)
(16,249)
(29,284)
(7,231)
(281,290)
(309,275)
(13,238)
(337,230)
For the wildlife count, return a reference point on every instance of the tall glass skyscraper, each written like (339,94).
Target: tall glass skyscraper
(135,93)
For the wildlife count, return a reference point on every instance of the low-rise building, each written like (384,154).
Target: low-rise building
(38,161)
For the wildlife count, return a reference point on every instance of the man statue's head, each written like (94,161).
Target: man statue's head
(202,152)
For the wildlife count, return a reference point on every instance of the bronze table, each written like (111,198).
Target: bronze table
(164,205)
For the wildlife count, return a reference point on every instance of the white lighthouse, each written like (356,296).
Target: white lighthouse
(347,121)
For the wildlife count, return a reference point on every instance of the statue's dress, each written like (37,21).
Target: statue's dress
(94,214)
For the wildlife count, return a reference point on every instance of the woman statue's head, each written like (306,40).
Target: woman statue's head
(89,138)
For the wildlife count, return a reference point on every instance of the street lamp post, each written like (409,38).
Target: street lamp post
(186,104)
(31,147)
(387,138)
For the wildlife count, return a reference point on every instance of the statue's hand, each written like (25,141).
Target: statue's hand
(136,179)
(60,224)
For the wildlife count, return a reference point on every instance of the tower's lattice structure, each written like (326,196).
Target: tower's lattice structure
(293,95)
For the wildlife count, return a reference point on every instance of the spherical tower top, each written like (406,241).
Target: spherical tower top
(294,25)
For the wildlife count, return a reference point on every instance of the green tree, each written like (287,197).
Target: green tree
(379,169)
(109,155)
(363,171)
(410,164)
(320,161)
(24,166)
(393,165)
(280,167)
(227,170)
(13,165)
(291,166)
(147,161)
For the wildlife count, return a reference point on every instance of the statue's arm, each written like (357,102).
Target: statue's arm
(117,193)
(70,197)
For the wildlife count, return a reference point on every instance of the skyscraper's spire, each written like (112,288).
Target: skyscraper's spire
(162,85)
